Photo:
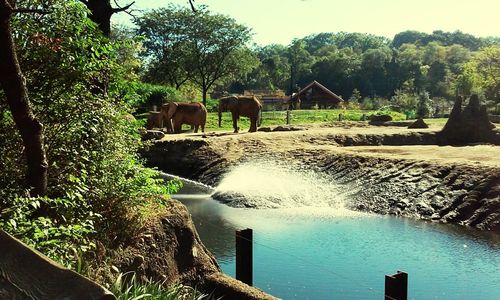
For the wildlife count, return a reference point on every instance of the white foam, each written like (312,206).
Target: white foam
(274,185)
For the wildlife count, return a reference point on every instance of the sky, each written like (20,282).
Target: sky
(280,21)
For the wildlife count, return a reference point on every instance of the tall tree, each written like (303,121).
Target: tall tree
(210,47)
(300,63)
(16,94)
(101,12)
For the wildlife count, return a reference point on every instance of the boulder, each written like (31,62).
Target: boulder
(152,135)
(418,124)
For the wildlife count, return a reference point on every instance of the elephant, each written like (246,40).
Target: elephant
(177,113)
(246,106)
(154,120)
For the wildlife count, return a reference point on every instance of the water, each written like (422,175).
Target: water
(316,249)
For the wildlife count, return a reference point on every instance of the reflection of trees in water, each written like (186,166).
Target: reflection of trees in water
(216,233)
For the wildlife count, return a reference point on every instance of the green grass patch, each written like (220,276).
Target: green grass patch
(298,117)
(132,289)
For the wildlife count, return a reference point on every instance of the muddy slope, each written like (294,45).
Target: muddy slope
(459,191)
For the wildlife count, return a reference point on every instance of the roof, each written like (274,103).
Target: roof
(321,87)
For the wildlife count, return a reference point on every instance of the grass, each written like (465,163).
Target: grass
(132,289)
(298,117)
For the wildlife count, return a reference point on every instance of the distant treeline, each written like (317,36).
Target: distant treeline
(442,63)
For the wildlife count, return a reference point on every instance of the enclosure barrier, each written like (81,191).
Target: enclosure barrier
(244,255)
(28,274)
(396,286)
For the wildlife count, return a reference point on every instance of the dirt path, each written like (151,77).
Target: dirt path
(323,138)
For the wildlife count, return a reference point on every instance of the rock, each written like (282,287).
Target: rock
(470,125)
(265,129)
(419,123)
(130,117)
(287,128)
(152,135)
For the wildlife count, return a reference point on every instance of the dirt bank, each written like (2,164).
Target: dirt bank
(169,250)
(387,170)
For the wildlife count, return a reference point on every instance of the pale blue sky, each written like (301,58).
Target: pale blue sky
(280,21)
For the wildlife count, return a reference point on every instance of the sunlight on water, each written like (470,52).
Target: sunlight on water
(272,185)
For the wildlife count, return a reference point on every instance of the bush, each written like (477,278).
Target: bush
(95,177)
(424,105)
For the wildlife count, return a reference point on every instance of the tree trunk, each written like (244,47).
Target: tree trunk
(205,91)
(31,130)
(101,12)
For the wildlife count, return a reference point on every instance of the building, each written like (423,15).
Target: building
(315,95)
(270,100)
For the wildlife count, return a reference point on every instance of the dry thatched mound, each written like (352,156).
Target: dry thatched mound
(470,125)
(418,124)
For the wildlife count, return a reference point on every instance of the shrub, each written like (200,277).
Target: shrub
(95,177)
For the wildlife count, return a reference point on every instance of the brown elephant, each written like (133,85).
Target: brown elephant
(177,113)
(155,120)
(246,106)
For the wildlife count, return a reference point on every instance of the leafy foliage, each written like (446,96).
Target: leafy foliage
(96,179)
(200,47)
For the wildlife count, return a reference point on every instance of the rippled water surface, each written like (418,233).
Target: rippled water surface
(308,249)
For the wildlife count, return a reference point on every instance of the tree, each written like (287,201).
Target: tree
(484,70)
(13,84)
(300,62)
(337,69)
(101,12)
(374,71)
(424,105)
(408,37)
(203,47)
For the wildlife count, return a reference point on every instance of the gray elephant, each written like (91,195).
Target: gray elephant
(177,113)
(246,106)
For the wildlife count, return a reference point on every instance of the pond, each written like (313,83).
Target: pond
(305,249)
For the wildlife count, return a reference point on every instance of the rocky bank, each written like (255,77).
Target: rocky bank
(389,170)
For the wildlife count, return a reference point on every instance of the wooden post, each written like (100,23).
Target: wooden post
(244,255)
(340,117)
(288,117)
(396,286)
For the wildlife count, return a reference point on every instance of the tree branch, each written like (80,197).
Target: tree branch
(120,9)
(192,5)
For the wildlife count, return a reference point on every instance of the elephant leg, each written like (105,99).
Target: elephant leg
(202,127)
(177,127)
(193,128)
(235,123)
(196,128)
(253,124)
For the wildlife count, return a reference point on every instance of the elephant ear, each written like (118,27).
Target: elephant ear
(172,108)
